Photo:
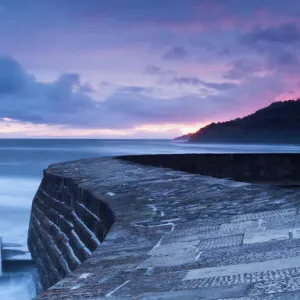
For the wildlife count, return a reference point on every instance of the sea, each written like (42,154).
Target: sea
(21,166)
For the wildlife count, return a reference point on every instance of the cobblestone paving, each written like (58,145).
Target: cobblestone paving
(185,236)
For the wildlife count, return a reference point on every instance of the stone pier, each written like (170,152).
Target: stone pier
(161,227)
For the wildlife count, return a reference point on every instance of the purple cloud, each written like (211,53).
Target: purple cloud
(135,89)
(286,59)
(242,68)
(177,53)
(155,70)
(194,81)
(63,102)
(87,88)
(285,33)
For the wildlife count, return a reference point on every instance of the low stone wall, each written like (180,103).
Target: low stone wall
(269,168)
(67,224)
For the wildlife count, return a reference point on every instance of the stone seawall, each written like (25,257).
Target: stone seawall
(269,168)
(67,224)
(126,229)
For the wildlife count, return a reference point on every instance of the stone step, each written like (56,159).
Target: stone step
(15,249)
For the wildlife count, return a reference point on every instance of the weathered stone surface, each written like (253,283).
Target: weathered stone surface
(263,236)
(220,242)
(163,233)
(198,294)
(234,270)
(264,214)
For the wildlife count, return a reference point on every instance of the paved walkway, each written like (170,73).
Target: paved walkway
(186,236)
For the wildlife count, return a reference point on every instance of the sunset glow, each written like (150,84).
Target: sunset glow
(16,128)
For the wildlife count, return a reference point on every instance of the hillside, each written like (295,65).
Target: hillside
(277,123)
(183,138)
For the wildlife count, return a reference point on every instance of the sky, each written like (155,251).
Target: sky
(141,68)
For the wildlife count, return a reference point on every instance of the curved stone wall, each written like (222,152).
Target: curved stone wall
(67,224)
(263,168)
(148,212)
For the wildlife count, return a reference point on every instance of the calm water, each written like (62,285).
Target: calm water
(22,162)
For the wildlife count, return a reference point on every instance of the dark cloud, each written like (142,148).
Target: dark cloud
(285,33)
(242,68)
(104,84)
(272,50)
(255,93)
(200,44)
(187,80)
(69,80)
(284,62)
(171,13)
(124,22)
(135,89)
(12,77)
(219,86)
(176,53)
(23,97)
(155,70)
(168,77)
(287,59)
(194,81)
(87,88)
(63,101)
